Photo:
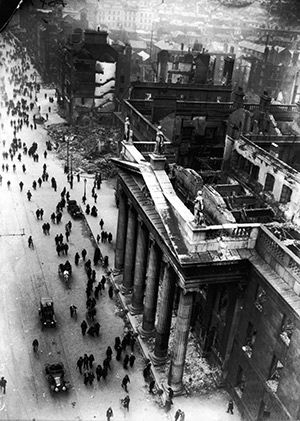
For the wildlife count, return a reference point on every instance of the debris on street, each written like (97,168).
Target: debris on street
(89,149)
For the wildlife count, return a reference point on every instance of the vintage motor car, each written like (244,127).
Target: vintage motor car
(74,210)
(46,313)
(55,374)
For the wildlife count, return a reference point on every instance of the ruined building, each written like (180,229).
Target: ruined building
(234,278)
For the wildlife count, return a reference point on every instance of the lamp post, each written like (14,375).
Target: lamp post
(84,191)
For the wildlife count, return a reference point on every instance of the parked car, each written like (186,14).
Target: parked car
(74,210)
(46,313)
(55,374)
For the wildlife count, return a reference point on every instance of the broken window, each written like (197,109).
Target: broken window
(249,340)
(275,373)
(287,328)
(286,193)
(260,298)
(269,183)
(240,381)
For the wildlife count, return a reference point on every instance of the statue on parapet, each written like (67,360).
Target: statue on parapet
(126,129)
(198,209)
(159,142)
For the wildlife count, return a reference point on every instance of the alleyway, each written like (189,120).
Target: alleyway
(28,275)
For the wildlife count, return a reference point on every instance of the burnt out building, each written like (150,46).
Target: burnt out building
(235,285)
(93,75)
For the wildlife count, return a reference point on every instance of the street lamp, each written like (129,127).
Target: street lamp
(84,191)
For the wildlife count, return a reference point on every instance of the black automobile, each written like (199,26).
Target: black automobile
(55,374)
(74,210)
(46,313)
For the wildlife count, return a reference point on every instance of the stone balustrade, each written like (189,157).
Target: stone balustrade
(282,260)
(219,237)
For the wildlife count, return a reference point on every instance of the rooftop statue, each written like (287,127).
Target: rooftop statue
(198,209)
(126,129)
(159,142)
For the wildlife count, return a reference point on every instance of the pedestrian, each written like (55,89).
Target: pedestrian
(78,177)
(230,407)
(119,352)
(97,256)
(77,257)
(101,223)
(45,153)
(21,184)
(42,214)
(104,372)
(67,234)
(109,237)
(85,362)
(132,341)
(124,343)
(111,292)
(98,372)
(126,402)
(109,414)
(23,168)
(73,310)
(126,361)
(84,327)
(86,378)
(37,214)
(170,395)
(30,242)
(83,254)
(39,181)
(3,383)
(34,184)
(91,360)
(79,364)
(29,195)
(151,386)
(103,281)
(131,360)
(97,328)
(106,364)
(177,414)
(109,353)
(91,331)
(95,197)
(124,383)
(98,238)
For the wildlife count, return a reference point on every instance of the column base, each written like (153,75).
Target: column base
(146,333)
(125,290)
(178,389)
(135,310)
(157,361)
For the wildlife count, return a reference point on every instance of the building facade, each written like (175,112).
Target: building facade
(235,286)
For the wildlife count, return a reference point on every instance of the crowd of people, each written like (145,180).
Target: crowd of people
(23,110)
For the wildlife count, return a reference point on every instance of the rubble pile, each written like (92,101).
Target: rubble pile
(90,148)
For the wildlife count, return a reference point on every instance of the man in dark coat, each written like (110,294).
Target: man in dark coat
(80,364)
(83,327)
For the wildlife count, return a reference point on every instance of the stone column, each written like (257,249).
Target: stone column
(129,250)
(121,232)
(165,317)
(180,344)
(140,269)
(152,284)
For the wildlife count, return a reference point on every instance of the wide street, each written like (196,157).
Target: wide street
(27,275)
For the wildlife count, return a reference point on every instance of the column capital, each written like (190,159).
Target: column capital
(130,205)
(153,241)
(141,221)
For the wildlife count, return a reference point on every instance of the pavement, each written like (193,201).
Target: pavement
(27,275)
